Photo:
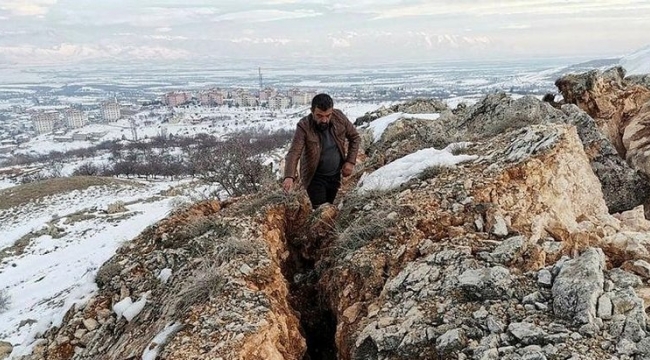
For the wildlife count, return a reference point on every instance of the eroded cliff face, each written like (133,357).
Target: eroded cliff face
(512,255)
(608,98)
(619,106)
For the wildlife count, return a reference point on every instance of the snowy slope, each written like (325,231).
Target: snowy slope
(637,63)
(57,269)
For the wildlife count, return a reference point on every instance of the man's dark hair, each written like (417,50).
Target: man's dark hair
(322,101)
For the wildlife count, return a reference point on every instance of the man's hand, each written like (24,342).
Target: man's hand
(287,184)
(347,169)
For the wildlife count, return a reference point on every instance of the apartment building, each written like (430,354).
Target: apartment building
(211,97)
(110,111)
(176,98)
(267,93)
(45,122)
(245,99)
(279,102)
(75,118)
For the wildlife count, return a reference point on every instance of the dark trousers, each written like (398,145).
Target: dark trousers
(323,189)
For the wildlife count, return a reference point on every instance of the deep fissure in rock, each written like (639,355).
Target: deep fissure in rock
(318,322)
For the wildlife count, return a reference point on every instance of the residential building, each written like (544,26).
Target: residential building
(111,111)
(245,99)
(176,98)
(266,94)
(44,122)
(293,92)
(79,136)
(279,102)
(75,118)
(301,99)
(211,97)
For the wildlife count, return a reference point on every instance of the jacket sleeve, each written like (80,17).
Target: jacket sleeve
(294,153)
(354,140)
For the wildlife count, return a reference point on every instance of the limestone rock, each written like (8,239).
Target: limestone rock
(5,349)
(623,187)
(578,286)
(492,283)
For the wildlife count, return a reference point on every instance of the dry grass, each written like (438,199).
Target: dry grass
(4,301)
(432,171)
(23,194)
(251,205)
(234,247)
(78,217)
(190,233)
(360,233)
(205,284)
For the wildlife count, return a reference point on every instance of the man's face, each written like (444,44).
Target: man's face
(322,117)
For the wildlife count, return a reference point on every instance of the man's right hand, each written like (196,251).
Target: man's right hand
(287,185)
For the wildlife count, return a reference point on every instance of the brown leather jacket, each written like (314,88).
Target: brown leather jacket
(306,145)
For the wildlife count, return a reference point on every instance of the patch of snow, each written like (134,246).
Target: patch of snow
(121,306)
(404,169)
(432,116)
(135,308)
(378,126)
(154,347)
(164,275)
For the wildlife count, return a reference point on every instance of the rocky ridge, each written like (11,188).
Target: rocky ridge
(525,253)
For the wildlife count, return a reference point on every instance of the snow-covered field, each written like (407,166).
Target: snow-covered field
(66,239)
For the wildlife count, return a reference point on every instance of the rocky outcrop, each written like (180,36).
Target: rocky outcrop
(418,106)
(643,80)
(511,255)
(5,349)
(636,139)
(607,98)
(497,113)
(623,187)
(621,108)
(456,285)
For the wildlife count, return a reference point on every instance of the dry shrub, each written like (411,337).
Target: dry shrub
(233,247)
(190,232)
(116,207)
(4,301)
(205,284)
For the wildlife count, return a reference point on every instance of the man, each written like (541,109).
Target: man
(319,143)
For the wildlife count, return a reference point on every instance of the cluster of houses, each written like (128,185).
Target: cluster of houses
(58,121)
(268,97)
(48,121)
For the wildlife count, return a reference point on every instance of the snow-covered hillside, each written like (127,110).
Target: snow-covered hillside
(637,63)
(52,248)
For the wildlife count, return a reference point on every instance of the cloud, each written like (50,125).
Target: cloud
(267,40)
(165,37)
(340,43)
(514,7)
(137,16)
(266,15)
(27,7)
(66,53)
(516,26)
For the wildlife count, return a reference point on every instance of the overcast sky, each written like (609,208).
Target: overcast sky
(335,31)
